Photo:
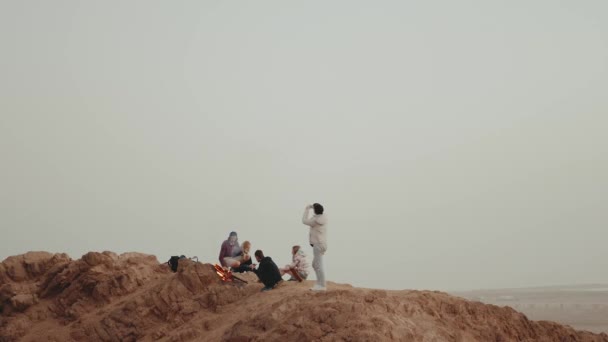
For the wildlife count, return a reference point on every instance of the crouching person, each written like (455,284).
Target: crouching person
(267,271)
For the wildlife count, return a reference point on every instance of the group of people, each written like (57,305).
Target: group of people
(237,257)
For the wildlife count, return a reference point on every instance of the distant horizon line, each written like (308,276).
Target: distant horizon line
(541,287)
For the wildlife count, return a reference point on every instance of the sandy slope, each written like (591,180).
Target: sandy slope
(107,297)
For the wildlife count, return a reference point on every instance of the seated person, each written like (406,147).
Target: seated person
(229,251)
(299,264)
(267,271)
(245,264)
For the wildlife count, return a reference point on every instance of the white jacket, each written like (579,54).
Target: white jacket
(299,262)
(318,228)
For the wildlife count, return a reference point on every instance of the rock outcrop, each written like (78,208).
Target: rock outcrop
(129,297)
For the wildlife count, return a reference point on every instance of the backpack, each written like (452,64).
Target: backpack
(175,260)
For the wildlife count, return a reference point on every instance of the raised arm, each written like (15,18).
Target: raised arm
(307,221)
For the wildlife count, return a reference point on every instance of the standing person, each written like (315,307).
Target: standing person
(267,271)
(229,251)
(318,241)
(299,264)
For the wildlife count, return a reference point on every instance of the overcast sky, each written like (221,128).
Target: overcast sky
(455,144)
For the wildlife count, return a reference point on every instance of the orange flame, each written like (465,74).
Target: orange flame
(223,274)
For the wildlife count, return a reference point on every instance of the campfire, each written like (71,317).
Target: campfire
(226,275)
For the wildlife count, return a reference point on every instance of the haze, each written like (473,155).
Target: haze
(455,145)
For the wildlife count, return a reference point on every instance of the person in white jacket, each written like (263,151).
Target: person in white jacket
(299,264)
(318,241)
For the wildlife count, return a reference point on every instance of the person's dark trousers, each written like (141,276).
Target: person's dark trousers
(244,267)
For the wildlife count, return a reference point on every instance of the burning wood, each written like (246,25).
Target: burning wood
(226,275)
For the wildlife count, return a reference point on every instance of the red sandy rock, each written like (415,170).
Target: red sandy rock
(128,297)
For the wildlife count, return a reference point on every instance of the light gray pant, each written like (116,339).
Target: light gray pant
(317,264)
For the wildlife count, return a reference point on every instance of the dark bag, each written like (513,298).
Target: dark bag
(174,261)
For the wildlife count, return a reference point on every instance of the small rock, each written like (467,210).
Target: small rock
(21,302)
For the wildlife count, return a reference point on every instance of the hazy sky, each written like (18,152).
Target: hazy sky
(454,144)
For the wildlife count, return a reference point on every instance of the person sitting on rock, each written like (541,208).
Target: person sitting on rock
(246,264)
(299,264)
(267,271)
(229,252)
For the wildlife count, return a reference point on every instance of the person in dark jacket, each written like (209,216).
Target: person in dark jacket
(267,271)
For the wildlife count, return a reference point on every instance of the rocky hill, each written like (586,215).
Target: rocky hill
(128,297)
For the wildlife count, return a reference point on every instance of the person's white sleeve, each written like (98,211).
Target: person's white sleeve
(296,261)
(307,221)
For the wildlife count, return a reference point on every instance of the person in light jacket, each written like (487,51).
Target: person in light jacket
(318,241)
(299,264)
